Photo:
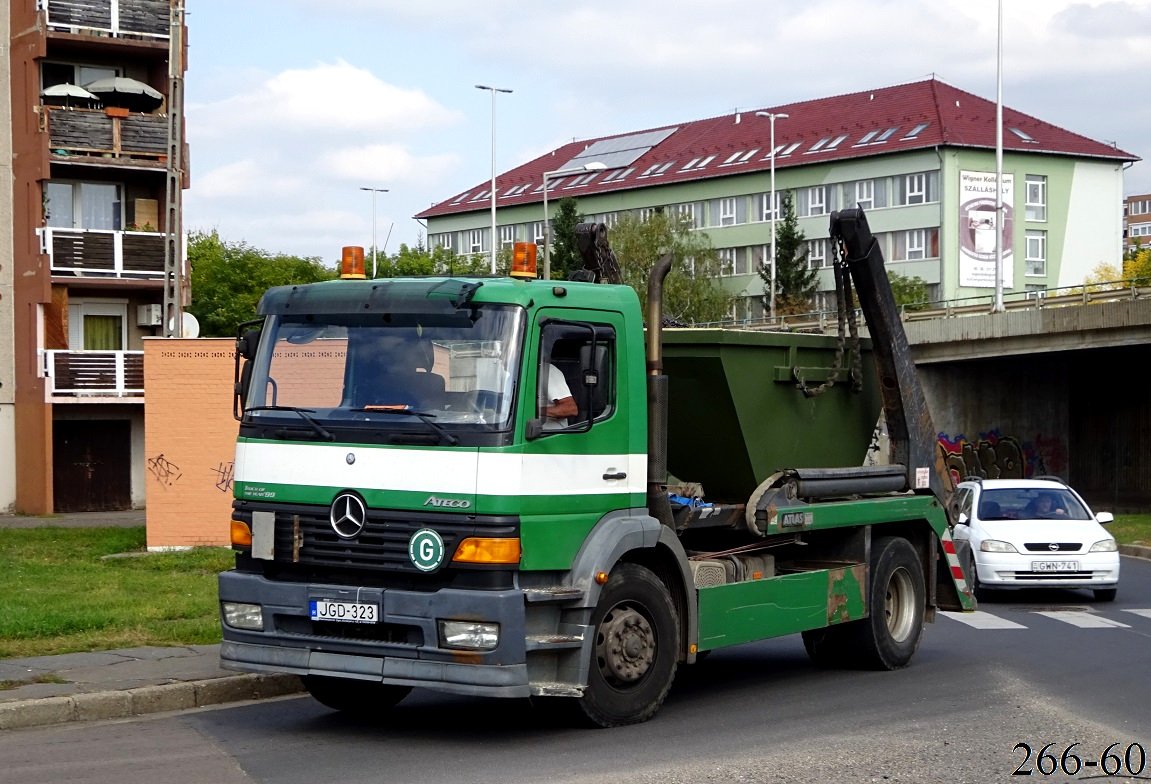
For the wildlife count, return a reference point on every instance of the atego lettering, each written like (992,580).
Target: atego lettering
(448,503)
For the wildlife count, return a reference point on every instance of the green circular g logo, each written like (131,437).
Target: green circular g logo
(426,549)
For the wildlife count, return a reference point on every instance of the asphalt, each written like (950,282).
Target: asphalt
(136,681)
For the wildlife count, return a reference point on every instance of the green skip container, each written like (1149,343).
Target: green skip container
(736,414)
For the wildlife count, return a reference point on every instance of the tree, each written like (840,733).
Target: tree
(910,291)
(795,282)
(692,293)
(228,279)
(565,256)
(1137,264)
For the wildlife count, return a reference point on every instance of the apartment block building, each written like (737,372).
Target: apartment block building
(919,157)
(90,242)
(1137,221)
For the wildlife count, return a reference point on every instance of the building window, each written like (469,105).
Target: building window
(52,74)
(97,326)
(726,257)
(1139,230)
(645,213)
(741,255)
(1036,260)
(919,188)
(1036,197)
(443,241)
(865,193)
(916,244)
(817,254)
(764,207)
(507,236)
(83,205)
(727,212)
(693,211)
(813,201)
(476,241)
(609,219)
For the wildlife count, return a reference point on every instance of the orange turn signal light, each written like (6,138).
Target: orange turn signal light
(241,534)
(479,550)
(352,263)
(524,260)
(601,577)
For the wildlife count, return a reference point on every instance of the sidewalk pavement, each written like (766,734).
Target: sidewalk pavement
(128,682)
(126,519)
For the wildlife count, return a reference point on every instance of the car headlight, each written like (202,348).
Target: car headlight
(239,615)
(996,546)
(1104,546)
(469,635)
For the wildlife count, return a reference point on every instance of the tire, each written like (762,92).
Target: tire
(1105,594)
(978,590)
(362,699)
(635,650)
(890,635)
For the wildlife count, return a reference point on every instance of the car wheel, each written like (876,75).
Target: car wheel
(977,588)
(1105,594)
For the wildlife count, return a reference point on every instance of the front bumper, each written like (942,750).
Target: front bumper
(1014,570)
(403,649)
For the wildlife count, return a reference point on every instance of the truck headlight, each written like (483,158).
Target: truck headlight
(469,635)
(243,616)
(996,546)
(1104,546)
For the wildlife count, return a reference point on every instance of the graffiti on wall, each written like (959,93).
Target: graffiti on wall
(224,473)
(165,471)
(996,456)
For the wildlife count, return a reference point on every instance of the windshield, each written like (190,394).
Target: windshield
(1031,503)
(456,369)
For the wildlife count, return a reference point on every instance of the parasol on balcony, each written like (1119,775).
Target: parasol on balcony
(126,93)
(69,95)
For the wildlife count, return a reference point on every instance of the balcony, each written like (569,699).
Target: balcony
(94,373)
(99,253)
(143,19)
(91,133)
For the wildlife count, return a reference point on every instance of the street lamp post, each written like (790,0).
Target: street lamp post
(772,116)
(374,192)
(592,166)
(493,91)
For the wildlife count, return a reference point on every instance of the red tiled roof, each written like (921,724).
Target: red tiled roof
(953,117)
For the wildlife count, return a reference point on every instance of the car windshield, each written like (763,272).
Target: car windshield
(457,369)
(1030,503)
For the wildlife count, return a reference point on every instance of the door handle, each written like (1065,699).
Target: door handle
(620,475)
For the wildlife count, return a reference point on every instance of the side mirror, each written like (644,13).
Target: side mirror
(1104,517)
(246,343)
(963,519)
(534,429)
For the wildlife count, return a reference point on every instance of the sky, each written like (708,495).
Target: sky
(293,106)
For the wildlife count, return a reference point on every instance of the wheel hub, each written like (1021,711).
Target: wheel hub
(626,645)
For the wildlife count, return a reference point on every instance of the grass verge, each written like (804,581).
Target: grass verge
(1131,528)
(60,596)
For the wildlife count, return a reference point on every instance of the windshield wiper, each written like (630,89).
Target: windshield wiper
(303,412)
(424,417)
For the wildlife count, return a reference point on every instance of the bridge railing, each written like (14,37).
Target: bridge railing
(823,320)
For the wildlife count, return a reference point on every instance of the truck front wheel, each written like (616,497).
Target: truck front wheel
(889,637)
(362,699)
(634,656)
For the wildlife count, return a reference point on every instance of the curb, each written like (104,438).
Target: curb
(96,706)
(1135,551)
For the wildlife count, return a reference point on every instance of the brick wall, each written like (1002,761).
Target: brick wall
(190,440)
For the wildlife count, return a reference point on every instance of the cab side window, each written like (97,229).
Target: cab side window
(576,375)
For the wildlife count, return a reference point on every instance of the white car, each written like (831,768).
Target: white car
(1035,533)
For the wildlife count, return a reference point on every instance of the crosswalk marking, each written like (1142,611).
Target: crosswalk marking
(1080,618)
(984,620)
(1083,620)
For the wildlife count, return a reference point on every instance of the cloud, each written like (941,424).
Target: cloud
(246,179)
(384,163)
(1110,21)
(333,98)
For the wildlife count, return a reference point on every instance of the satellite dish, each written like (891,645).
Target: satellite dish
(190,325)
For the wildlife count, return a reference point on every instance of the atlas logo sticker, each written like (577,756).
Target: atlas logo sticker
(426,549)
(448,503)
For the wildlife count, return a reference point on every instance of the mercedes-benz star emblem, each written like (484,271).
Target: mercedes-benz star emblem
(348,515)
(351,458)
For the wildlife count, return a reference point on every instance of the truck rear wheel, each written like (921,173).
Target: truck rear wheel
(363,699)
(889,637)
(635,649)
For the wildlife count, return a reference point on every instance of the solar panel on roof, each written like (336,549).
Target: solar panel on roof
(621,151)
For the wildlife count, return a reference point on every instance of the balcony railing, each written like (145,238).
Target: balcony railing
(98,253)
(146,19)
(94,373)
(92,133)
